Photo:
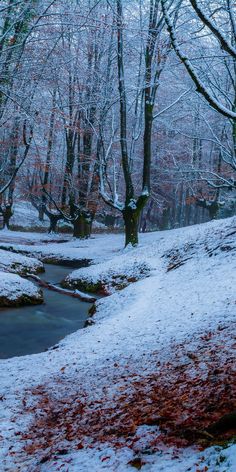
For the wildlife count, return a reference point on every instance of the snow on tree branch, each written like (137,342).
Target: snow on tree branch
(200,85)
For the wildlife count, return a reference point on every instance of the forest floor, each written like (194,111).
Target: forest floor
(151,384)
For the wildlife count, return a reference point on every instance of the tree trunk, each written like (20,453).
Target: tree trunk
(165,220)
(49,154)
(213,210)
(7,214)
(79,227)
(70,157)
(13,155)
(40,209)
(71,135)
(131,221)
(53,224)
(82,227)
(88,228)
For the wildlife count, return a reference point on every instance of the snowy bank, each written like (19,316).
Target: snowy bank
(57,248)
(115,274)
(19,264)
(156,252)
(16,291)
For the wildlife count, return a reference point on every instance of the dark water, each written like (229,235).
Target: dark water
(32,329)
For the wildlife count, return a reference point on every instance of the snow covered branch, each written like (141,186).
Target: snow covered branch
(224,43)
(200,85)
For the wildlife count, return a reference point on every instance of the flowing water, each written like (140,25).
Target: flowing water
(33,329)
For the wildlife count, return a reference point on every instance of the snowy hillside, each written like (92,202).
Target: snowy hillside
(151,383)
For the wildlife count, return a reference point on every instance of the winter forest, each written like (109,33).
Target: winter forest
(117,235)
(105,105)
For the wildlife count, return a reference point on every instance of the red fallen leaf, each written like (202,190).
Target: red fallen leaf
(79,446)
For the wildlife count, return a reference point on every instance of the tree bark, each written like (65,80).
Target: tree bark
(49,154)
(131,221)
(82,226)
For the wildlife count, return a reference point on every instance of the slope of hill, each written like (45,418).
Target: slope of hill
(151,383)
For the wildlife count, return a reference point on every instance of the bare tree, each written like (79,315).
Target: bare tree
(153,66)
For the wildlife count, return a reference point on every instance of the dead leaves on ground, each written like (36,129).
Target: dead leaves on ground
(181,400)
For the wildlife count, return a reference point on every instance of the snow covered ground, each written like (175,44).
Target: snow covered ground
(46,246)
(19,264)
(26,216)
(146,384)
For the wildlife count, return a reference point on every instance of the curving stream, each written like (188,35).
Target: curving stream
(35,328)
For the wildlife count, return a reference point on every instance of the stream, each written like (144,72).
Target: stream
(35,328)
